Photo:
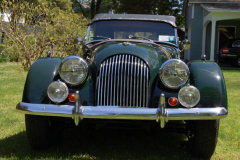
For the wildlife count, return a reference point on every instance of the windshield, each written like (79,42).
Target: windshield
(146,30)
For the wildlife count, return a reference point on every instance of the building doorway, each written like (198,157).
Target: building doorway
(225,33)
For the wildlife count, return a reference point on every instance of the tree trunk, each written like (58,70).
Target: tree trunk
(92,9)
(82,10)
(98,6)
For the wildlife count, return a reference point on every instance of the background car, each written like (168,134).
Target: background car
(231,52)
(130,73)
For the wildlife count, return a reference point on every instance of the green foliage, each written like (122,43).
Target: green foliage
(90,8)
(4,58)
(8,48)
(35,28)
(156,7)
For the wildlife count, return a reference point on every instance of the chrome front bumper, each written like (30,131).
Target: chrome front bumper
(160,114)
(228,55)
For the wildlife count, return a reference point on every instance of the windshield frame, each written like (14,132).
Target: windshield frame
(155,41)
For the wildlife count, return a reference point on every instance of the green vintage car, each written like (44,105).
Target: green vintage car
(130,71)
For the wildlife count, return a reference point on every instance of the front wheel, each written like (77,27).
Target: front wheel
(238,61)
(42,131)
(235,62)
(203,138)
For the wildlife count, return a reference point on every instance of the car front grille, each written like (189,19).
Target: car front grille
(123,81)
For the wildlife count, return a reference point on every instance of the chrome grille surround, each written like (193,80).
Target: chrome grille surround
(123,80)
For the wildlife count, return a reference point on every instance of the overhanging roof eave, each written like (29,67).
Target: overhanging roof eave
(222,10)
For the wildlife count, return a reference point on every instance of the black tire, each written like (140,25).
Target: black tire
(202,142)
(238,62)
(235,62)
(42,131)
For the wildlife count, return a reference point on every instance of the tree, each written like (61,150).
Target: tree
(93,7)
(37,27)
(156,7)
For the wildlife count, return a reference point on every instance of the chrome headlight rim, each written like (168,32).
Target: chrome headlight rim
(165,64)
(74,58)
(66,89)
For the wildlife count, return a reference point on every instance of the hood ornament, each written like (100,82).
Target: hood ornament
(127,43)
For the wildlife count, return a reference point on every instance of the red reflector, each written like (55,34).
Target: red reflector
(71,97)
(225,50)
(173,101)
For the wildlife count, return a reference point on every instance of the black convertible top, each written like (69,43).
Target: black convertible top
(142,17)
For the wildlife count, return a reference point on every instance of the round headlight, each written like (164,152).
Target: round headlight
(174,73)
(73,70)
(189,96)
(57,91)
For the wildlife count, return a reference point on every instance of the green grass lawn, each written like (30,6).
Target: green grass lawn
(107,144)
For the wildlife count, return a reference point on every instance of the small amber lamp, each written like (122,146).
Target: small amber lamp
(172,101)
(71,97)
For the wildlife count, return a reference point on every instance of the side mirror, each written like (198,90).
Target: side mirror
(185,44)
(78,40)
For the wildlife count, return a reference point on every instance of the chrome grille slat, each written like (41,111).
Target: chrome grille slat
(105,84)
(128,77)
(121,84)
(112,80)
(141,78)
(131,86)
(144,84)
(99,86)
(102,87)
(108,84)
(138,78)
(118,79)
(134,81)
(115,77)
(123,80)
(147,84)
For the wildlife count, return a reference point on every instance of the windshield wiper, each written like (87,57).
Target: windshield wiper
(100,37)
(144,38)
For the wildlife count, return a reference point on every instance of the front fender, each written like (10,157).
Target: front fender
(208,78)
(41,74)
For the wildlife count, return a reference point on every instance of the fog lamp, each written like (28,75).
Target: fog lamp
(189,96)
(57,91)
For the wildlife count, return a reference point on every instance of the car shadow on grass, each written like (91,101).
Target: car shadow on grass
(106,144)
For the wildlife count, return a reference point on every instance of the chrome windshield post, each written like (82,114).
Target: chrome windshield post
(162,112)
(77,110)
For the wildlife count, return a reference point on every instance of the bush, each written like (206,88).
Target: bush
(8,48)
(4,58)
(46,27)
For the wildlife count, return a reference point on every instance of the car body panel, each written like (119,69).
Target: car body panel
(208,78)
(41,74)
(205,75)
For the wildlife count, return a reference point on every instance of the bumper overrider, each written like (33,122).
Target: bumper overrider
(160,114)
